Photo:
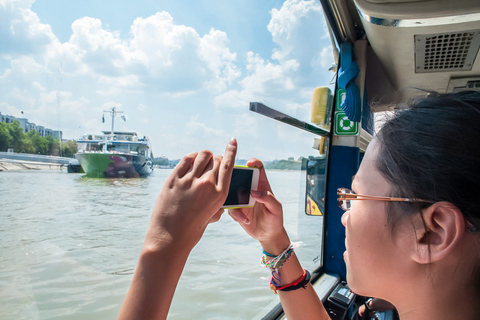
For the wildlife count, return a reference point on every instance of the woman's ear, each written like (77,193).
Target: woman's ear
(443,228)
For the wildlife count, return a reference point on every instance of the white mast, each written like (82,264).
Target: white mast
(113,113)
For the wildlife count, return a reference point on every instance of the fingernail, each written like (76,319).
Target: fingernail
(256,193)
(232,142)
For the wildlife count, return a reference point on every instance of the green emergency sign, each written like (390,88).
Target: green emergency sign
(343,126)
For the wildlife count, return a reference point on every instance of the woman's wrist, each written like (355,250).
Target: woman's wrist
(158,239)
(276,244)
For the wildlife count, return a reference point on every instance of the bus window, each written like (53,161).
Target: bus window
(184,74)
(315,187)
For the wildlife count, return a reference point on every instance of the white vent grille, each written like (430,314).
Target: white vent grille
(455,51)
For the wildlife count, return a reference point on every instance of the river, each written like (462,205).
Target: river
(70,244)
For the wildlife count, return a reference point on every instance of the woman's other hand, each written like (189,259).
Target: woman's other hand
(191,197)
(263,221)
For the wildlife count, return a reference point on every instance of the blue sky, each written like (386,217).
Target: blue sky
(183,73)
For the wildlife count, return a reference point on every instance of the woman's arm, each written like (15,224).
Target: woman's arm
(191,198)
(264,222)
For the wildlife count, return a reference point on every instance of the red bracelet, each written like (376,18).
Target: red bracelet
(300,283)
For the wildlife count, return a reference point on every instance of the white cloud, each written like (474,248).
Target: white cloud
(8,109)
(324,58)
(266,75)
(234,99)
(195,127)
(178,59)
(264,78)
(294,27)
(295,63)
(20,29)
(142,107)
(214,50)
(112,104)
(160,69)
(299,110)
(158,55)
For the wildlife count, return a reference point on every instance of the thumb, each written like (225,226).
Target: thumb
(268,200)
(239,216)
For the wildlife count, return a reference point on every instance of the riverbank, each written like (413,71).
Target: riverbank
(16,165)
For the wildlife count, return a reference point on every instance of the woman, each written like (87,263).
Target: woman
(412,241)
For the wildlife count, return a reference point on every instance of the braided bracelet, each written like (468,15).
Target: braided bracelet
(301,282)
(278,261)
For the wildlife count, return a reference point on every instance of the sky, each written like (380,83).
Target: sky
(183,72)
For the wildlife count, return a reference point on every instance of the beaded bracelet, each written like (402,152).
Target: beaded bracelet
(277,261)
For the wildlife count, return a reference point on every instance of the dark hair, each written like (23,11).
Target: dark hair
(431,150)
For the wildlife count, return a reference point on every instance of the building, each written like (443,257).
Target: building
(29,126)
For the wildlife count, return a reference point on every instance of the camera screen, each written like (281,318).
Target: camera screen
(239,192)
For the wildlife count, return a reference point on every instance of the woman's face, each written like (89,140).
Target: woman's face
(374,257)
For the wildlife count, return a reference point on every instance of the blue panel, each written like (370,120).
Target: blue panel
(343,164)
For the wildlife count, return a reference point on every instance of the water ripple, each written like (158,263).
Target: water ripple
(70,246)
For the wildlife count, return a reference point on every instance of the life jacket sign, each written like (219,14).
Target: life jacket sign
(343,126)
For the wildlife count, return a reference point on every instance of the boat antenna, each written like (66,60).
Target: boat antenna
(113,113)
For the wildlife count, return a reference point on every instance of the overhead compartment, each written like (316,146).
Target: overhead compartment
(419,45)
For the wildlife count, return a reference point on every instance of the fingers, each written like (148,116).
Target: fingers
(263,183)
(185,164)
(217,160)
(226,166)
(254,162)
(202,161)
(268,199)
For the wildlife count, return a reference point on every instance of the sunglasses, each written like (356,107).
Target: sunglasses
(345,196)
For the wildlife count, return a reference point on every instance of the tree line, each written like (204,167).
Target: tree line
(13,137)
(285,164)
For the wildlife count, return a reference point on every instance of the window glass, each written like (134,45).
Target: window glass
(183,74)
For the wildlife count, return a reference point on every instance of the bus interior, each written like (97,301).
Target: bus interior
(386,52)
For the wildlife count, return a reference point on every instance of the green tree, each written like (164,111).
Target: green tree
(53,146)
(39,143)
(17,134)
(12,136)
(5,137)
(28,145)
(69,148)
(161,161)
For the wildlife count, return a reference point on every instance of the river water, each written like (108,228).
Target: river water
(70,244)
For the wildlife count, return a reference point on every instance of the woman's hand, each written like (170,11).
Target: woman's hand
(263,221)
(191,197)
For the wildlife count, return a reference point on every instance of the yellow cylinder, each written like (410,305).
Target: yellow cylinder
(319,105)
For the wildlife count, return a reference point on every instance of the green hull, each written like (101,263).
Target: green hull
(94,164)
(114,165)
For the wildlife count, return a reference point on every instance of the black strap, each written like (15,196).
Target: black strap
(302,284)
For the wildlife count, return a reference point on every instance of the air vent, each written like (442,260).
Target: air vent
(454,51)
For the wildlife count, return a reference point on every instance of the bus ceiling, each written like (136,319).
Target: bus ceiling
(414,47)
